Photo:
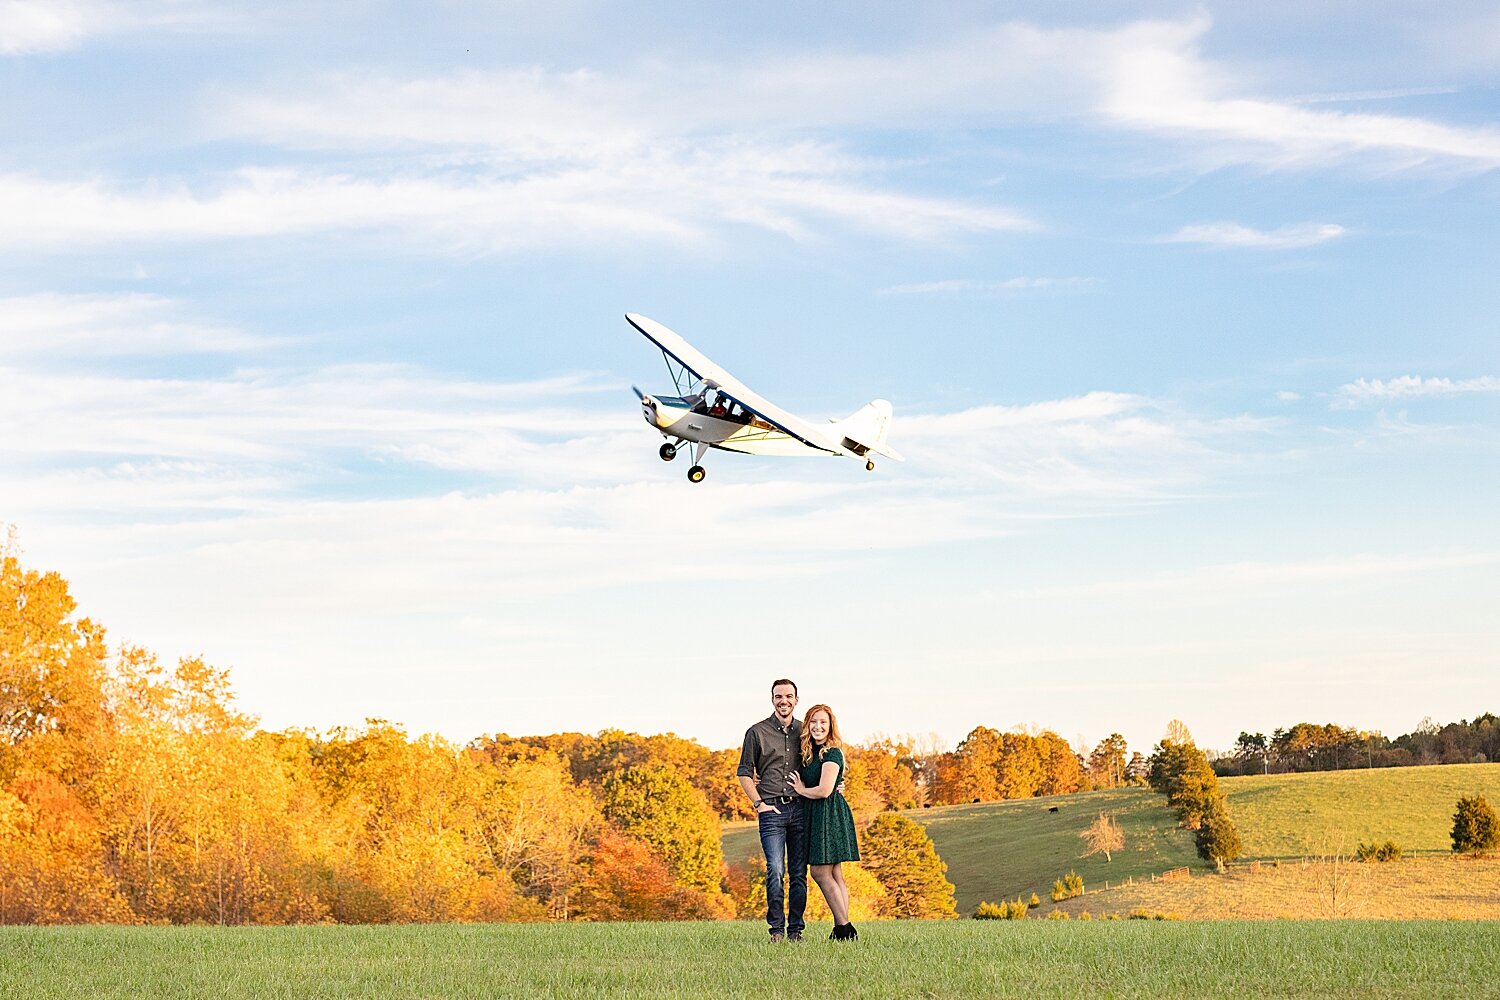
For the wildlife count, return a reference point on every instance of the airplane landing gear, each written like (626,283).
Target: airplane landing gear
(696,474)
(869,466)
(667,452)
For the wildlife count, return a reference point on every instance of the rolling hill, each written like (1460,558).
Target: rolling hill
(1001,850)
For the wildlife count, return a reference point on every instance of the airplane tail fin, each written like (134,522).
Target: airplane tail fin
(865,430)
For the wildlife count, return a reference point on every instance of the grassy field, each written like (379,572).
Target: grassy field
(999,850)
(1295,815)
(1425,887)
(951,959)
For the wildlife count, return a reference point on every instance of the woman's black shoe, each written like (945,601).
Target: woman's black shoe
(843,932)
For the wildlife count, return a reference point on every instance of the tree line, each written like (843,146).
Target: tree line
(1309,746)
(136,792)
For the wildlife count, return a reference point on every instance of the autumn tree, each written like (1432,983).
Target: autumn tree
(627,880)
(900,854)
(53,710)
(976,770)
(659,806)
(538,828)
(1062,771)
(880,777)
(1103,836)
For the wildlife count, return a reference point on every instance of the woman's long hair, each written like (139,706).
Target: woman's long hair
(833,740)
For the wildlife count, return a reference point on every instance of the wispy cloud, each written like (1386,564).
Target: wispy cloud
(969,286)
(1230,234)
(43,25)
(1101,447)
(684,197)
(1234,581)
(72,326)
(34,26)
(1362,391)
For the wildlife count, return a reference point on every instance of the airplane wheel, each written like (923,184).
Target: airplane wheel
(696,474)
(870,466)
(667,452)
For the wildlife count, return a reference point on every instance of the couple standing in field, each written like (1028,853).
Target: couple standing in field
(793,773)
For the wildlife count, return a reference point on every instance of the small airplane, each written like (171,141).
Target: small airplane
(713,409)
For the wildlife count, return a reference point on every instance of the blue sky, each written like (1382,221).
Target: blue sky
(313,358)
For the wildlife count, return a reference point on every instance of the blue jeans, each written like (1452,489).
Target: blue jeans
(783,837)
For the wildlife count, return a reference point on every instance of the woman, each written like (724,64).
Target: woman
(830,824)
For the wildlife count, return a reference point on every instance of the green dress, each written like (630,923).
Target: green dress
(830,824)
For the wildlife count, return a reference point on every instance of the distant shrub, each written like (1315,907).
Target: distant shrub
(1085,915)
(1067,887)
(1388,851)
(1476,829)
(1010,910)
(1058,915)
(1034,901)
(1142,914)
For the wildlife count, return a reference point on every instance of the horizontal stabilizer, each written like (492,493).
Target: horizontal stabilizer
(865,430)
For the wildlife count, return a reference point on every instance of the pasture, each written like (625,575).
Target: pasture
(1297,815)
(1430,887)
(949,959)
(1001,850)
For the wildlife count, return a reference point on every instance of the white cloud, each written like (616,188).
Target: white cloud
(678,196)
(72,326)
(1100,448)
(1237,581)
(1143,76)
(961,286)
(35,26)
(43,25)
(1230,234)
(1410,387)
(1156,80)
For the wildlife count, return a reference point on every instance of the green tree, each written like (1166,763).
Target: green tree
(1218,838)
(662,808)
(1475,826)
(899,853)
(1182,773)
(1107,762)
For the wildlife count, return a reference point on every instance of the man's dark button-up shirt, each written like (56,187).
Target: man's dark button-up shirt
(770,755)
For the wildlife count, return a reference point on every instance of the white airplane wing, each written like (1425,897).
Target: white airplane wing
(697,364)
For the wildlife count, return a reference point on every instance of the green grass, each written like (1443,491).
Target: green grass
(1297,815)
(952,959)
(1001,850)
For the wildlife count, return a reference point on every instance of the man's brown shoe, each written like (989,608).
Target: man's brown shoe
(777,936)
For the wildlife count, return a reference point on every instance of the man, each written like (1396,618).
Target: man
(767,762)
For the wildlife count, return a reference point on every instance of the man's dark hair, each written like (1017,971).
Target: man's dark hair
(777,684)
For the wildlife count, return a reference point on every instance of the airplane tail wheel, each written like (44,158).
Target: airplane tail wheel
(696,474)
(869,466)
(667,452)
